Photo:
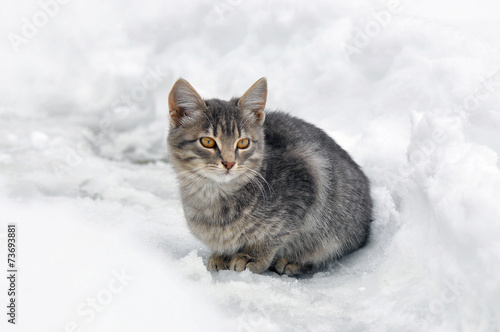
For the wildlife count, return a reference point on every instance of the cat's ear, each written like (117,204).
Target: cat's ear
(182,100)
(254,100)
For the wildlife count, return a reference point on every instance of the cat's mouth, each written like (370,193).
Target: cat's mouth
(226,176)
(220,175)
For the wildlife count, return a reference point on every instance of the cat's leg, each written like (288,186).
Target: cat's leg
(255,259)
(218,262)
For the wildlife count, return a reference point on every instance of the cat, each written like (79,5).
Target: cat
(263,189)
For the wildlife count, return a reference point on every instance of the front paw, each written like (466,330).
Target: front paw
(242,261)
(283,266)
(217,262)
(239,262)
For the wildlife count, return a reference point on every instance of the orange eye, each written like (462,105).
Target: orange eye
(243,143)
(207,142)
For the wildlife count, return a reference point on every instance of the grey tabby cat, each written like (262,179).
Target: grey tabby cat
(264,189)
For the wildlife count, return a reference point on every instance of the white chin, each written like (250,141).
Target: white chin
(225,177)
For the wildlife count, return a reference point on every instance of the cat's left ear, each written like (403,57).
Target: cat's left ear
(254,100)
(183,101)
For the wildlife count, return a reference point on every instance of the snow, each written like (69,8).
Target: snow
(84,171)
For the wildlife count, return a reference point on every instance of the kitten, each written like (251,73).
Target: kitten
(264,189)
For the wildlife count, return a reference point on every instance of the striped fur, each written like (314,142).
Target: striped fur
(293,201)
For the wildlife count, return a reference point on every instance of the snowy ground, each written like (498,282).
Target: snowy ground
(412,91)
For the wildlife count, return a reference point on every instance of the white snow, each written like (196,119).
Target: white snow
(84,172)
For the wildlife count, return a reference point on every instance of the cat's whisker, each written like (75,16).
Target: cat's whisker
(190,171)
(257,188)
(256,184)
(194,180)
(191,180)
(193,177)
(260,177)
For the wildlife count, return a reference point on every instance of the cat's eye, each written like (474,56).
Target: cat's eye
(207,142)
(243,143)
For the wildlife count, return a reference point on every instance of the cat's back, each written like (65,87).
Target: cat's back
(319,181)
(287,134)
(298,150)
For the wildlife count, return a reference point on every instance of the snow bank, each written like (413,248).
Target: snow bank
(410,89)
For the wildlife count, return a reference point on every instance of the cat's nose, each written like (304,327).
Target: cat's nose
(228,165)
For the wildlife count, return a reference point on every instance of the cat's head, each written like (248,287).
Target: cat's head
(216,139)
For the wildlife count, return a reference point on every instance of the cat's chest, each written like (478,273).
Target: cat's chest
(221,238)
(206,203)
(211,217)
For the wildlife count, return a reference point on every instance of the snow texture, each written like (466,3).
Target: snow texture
(409,88)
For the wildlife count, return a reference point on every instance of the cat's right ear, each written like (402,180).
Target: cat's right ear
(182,100)
(254,100)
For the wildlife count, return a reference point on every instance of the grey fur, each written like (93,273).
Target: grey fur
(293,201)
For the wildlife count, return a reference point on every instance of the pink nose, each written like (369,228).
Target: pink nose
(228,165)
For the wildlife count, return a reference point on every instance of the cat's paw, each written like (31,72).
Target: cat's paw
(217,262)
(239,262)
(293,269)
(283,266)
(280,265)
(242,261)
(257,267)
